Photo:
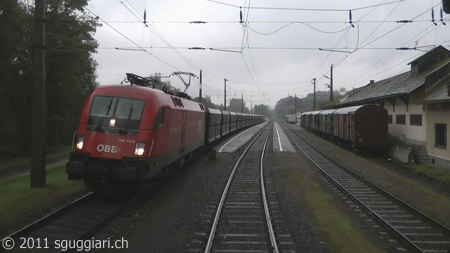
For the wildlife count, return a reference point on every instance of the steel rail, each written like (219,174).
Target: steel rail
(435,223)
(224,194)
(397,233)
(400,236)
(273,240)
(121,208)
(48,217)
(88,231)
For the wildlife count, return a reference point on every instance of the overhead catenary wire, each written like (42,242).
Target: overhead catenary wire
(292,23)
(416,38)
(357,41)
(137,16)
(241,48)
(159,36)
(252,47)
(304,9)
(347,50)
(234,22)
(399,48)
(385,34)
(159,59)
(137,47)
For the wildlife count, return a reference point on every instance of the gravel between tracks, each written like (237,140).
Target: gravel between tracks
(170,217)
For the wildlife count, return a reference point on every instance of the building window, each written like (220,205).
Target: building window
(415,119)
(440,135)
(389,119)
(400,119)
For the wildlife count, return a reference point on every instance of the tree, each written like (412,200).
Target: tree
(70,67)
(15,73)
(262,110)
(236,106)
(70,72)
(206,101)
(287,105)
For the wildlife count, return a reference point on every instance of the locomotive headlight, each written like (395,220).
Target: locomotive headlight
(112,122)
(139,149)
(80,142)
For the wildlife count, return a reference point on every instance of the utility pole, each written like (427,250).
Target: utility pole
(37,161)
(331,83)
(295,104)
(225,94)
(314,82)
(200,92)
(242,104)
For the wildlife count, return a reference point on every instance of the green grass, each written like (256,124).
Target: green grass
(18,199)
(434,172)
(13,162)
(437,173)
(331,219)
(24,160)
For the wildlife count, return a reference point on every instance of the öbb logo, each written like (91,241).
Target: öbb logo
(107,148)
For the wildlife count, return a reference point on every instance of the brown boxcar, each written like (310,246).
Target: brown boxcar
(361,126)
(315,121)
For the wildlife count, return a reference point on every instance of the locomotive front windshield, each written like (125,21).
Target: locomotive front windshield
(115,114)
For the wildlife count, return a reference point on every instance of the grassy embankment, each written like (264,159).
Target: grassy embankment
(18,200)
(434,172)
(331,220)
(5,164)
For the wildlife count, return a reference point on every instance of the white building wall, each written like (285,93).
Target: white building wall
(407,133)
(438,114)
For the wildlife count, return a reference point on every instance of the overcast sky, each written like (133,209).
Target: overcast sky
(276,51)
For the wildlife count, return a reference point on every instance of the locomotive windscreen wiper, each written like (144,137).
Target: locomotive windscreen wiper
(123,131)
(103,116)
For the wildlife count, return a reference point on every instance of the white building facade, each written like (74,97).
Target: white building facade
(418,104)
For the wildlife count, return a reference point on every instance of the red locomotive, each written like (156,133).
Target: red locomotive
(129,134)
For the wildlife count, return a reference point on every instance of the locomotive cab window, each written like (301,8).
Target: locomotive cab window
(115,114)
(159,119)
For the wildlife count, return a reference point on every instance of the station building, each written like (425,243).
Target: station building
(418,104)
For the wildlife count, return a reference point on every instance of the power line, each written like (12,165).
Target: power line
(292,23)
(159,59)
(397,49)
(347,50)
(234,22)
(144,49)
(304,9)
(251,66)
(156,33)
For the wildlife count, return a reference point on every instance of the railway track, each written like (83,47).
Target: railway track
(247,218)
(415,230)
(66,227)
(75,221)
